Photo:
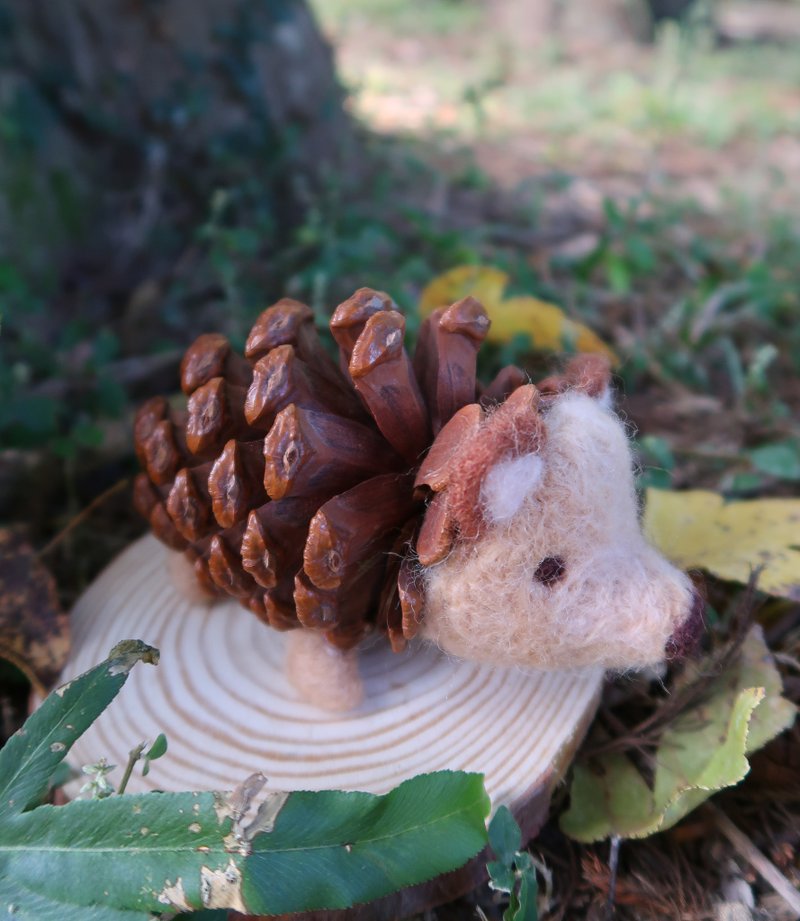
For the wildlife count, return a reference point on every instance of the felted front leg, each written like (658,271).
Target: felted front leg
(325,676)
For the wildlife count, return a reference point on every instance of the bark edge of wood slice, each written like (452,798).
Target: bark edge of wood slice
(221,697)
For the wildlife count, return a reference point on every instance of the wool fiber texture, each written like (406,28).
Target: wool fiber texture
(562,575)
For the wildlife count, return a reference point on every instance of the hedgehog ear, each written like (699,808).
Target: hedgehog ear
(508,484)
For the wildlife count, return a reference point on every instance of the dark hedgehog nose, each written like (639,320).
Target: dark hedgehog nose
(685,640)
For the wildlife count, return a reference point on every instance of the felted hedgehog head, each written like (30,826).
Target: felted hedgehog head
(548,567)
(401,496)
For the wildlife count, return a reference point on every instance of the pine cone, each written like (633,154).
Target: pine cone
(295,485)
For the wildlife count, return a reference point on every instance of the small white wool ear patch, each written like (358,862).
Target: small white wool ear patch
(606,398)
(506,486)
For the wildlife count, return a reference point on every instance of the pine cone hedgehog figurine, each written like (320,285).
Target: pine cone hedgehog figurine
(399,496)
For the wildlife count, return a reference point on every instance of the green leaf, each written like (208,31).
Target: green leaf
(505,838)
(658,449)
(781,460)
(331,850)
(702,751)
(158,749)
(177,850)
(21,904)
(31,755)
(619,276)
(158,852)
(152,849)
(527,909)
(501,876)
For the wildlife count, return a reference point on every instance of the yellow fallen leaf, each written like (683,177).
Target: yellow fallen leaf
(699,529)
(548,327)
(546,324)
(703,749)
(484,282)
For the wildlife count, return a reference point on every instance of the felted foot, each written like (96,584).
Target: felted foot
(325,676)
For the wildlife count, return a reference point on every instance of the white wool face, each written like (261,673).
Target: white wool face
(614,601)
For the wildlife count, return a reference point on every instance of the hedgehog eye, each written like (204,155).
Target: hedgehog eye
(550,570)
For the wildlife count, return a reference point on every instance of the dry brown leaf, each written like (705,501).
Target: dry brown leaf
(34,632)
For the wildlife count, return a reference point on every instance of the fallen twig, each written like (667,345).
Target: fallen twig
(83,515)
(761,864)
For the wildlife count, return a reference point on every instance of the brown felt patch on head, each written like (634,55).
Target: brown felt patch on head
(589,374)
(513,429)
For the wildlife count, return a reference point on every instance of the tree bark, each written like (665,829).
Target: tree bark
(132,98)
(191,68)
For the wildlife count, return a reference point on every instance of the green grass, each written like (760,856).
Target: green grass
(683,88)
(436,17)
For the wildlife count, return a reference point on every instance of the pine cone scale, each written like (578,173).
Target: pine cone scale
(210,356)
(352,526)
(456,336)
(189,502)
(225,566)
(437,532)
(383,376)
(236,481)
(147,418)
(290,323)
(216,413)
(164,453)
(274,538)
(165,530)
(350,318)
(506,381)
(412,597)
(310,453)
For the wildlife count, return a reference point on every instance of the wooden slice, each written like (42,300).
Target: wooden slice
(221,697)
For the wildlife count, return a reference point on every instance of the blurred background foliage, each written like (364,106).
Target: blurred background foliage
(172,166)
(169,167)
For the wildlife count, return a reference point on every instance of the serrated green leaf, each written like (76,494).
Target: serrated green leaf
(331,850)
(123,857)
(702,751)
(20,904)
(31,755)
(151,849)
(169,850)
(505,838)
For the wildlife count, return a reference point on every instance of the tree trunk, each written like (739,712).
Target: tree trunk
(134,103)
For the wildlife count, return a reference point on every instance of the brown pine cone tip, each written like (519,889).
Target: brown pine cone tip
(299,487)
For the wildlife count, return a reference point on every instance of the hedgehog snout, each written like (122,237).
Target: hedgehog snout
(686,638)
